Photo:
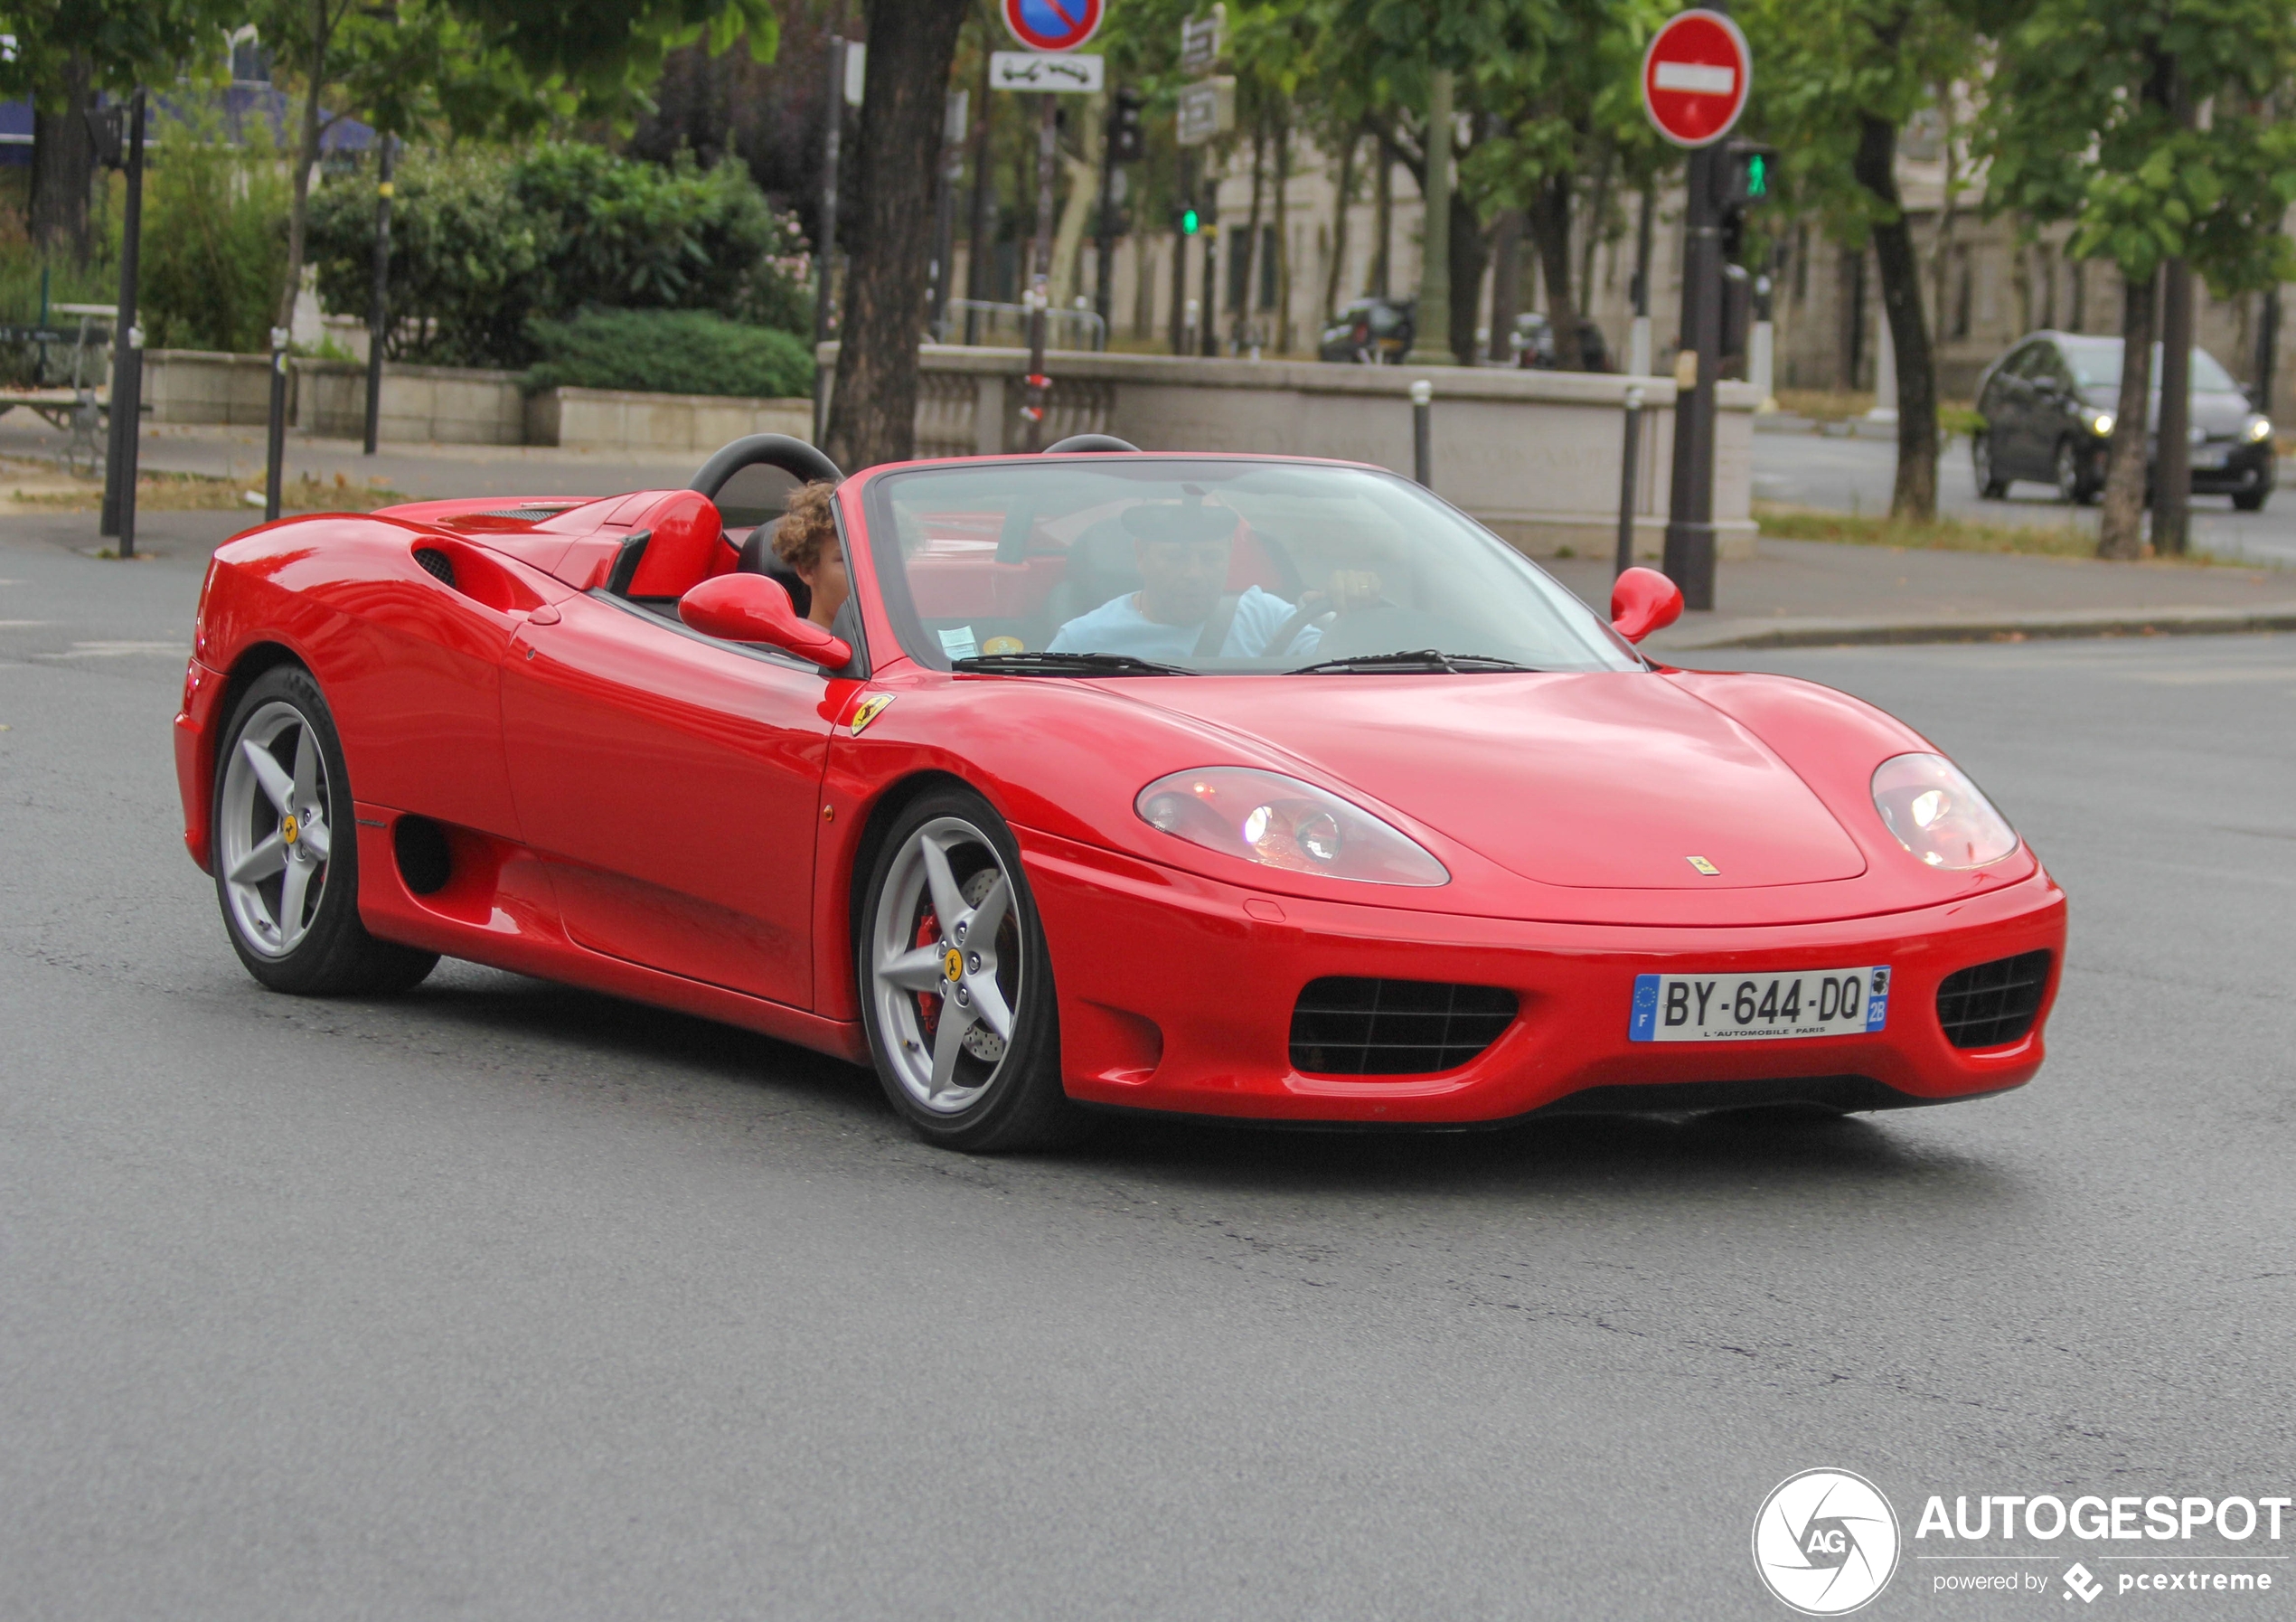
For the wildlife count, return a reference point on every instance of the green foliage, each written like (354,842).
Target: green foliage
(213,245)
(127,42)
(481,241)
(2081,124)
(676,352)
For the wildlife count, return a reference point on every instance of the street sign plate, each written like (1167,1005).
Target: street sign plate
(1206,109)
(1199,42)
(1054,25)
(1694,78)
(1042,71)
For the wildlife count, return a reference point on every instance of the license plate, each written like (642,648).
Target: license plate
(1739,1007)
(2212,457)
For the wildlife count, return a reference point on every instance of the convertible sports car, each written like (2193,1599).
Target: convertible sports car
(1229,785)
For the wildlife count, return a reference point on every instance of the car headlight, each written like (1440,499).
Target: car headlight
(2259,429)
(2101,425)
(1276,821)
(1938,814)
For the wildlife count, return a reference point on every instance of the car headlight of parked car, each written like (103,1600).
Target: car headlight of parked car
(2101,424)
(2258,430)
(1938,814)
(1276,821)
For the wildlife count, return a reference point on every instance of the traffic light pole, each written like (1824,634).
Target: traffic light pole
(1689,524)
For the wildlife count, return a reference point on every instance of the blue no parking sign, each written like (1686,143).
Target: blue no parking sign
(1053,25)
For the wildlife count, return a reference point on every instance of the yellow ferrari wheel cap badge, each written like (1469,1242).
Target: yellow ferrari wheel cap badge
(871,709)
(1704,866)
(290,829)
(953,964)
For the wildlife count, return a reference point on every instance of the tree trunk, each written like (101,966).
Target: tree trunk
(1470,250)
(872,415)
(1549,222)
(1914,495)
(1590,230)
(1243,274)
(1383,217)
(63,168)
(1338,267)
(2172,458)
(980,244)
(2121,528)
(1506,284)
(1283,231)
(307,155)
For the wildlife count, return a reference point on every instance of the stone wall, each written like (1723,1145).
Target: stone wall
(620,420)
(1534,455)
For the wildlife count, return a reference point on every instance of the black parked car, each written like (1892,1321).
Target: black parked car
(1372,332)
(2048,406)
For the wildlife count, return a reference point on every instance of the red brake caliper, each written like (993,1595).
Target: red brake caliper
(929,1004)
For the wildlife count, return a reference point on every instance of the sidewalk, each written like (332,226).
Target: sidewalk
(1792,593)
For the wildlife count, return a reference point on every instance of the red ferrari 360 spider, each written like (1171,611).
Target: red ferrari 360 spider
(1228,785)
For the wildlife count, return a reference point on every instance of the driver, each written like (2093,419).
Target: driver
(1182,611)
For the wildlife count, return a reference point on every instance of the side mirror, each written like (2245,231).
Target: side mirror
(752,607)
(1643,601)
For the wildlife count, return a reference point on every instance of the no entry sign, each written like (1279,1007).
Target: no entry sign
(1053,25)
(1695,77)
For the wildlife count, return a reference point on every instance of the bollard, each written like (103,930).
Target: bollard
(1628,456)
(276,452)
(1423,433)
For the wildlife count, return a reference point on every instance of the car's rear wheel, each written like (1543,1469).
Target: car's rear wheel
(1990,485)
(2251,501)
(286,849)
(956,985)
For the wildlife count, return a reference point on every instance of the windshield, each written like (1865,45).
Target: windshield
(2096,365)
(1209,567)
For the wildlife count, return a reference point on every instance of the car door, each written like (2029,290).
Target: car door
(2010,413)
(673,783)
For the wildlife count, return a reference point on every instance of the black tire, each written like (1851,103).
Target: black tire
(334,956)
(2075,487)
(1990,486)
(1006,1094)
(2251,501)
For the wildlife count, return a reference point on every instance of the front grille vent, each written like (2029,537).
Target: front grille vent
(1353,1027)
(438,563)
(1993,1003)
(529,515)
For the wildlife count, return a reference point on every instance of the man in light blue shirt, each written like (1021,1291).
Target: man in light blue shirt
(1182,552)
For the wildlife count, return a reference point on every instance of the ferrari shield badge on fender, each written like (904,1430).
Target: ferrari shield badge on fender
(1700,862)
(871,709)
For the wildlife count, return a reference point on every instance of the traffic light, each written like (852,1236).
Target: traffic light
(1746,175)
(1128,139)
(1190,221)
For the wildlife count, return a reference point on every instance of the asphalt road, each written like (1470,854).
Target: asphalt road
(504,1301)
(1855,476)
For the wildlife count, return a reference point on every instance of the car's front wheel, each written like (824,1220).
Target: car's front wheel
(286,849)
(956,985)
(1990,485)
(2072,486)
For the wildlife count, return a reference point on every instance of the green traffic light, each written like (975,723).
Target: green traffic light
(1188,222)
(1757,176)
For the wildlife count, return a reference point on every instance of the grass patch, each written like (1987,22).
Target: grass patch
(158,492)
(1785,523)
(1956,419)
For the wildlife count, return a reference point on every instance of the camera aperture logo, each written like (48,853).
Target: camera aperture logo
(1825,1542)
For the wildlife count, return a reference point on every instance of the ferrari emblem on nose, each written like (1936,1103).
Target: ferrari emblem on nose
(953,964)
(1704,866)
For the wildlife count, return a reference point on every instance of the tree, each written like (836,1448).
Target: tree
(2095,114)
(1838,80)
(872,415)
(64,52)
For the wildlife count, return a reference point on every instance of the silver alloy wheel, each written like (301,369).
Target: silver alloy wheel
(273,840)
(2068,474)
(945,964)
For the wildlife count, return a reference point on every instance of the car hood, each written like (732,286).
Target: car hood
(1608,779)
(2220,415)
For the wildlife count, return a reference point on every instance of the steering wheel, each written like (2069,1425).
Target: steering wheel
(798,459)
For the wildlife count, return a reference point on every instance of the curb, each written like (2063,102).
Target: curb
(2133,622)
